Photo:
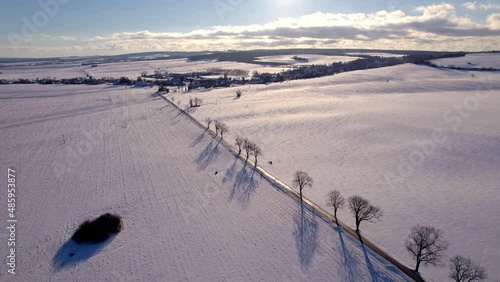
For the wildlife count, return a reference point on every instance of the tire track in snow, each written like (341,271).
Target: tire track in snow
(70,115)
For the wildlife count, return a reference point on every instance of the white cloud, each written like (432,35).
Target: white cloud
(478,6)
(494,21)
(437,10)
(436,27)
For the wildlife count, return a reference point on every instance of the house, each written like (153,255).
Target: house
(194,84)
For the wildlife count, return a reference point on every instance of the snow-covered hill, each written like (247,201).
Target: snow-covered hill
(422,143)
(312,59)
(80,151)
(128,69)
(474,61)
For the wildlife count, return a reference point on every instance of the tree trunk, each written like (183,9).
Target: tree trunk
(335,216)
(418,265)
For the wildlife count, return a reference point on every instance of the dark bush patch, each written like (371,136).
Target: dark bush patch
(99,229)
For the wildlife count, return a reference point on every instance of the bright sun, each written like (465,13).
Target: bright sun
(284,2)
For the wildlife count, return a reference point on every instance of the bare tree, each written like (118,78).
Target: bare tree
(208,121)
(256,152)
(198,101)
(195,102)
(300,180)
(239,142)
(465,270)
(363,210)
(248,147)
(336,202)
(217,126)
(223,129)
(426,244)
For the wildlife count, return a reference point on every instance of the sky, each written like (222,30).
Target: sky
(56,28)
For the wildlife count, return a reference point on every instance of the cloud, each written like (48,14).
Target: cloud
(433,27)
(494,21)
(475,6)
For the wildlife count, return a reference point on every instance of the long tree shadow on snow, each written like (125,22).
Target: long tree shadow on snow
(306,235)
(244,185)
(371,269)
(72,253)
(349,264)
(230,171)
(353,269)
(199,139)
(208,155)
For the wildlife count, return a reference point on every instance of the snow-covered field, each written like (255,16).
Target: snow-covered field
(127,69)
(313,59)
(481,60)
(384,55)
(134,69)
(422,143)
(79,151)
(43,71)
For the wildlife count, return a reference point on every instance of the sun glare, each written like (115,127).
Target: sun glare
(284,2)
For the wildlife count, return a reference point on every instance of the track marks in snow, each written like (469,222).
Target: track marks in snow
(180,222)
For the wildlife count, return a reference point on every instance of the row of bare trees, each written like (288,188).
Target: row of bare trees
(195,102)
(220,127)
(427,246)
(251,149)
(361,208)
(425,243)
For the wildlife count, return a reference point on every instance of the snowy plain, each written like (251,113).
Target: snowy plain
(128,69)
(421,143)
(313,59)
(79,151)
(383,55)
(476,61)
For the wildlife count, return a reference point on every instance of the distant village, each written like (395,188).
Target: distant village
(219,78)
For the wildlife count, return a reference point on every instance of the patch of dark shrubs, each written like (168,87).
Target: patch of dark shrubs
(99,229)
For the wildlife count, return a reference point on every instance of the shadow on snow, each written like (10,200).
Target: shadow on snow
(208,155)
(373,273)
(306,235)
(244,184)
(72,253)
(349,263)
